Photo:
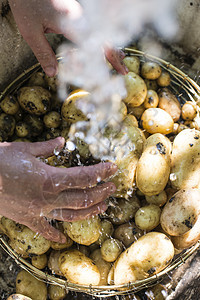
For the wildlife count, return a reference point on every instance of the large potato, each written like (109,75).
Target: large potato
(185,162)
(136,89)
(78,268)
(149,255)
(169,103)
(35,100)
(84,232)
(153,168)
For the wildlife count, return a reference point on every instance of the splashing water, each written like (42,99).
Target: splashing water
(105,23)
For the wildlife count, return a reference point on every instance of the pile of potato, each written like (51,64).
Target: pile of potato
(155,212)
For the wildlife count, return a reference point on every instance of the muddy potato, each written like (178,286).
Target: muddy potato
(185,164)
(148,217)
(39,261)
(22,129)
(56,292)
(106,231)
(169,103)
(189,110)
(102,265)
(151,70)
(157,120)
(37,79)
(52,133)
(159,199)
(181,212)
(127,233)
(78,268)
(123,210)
(136,89)
(7,125)
(10,105)
(23,240)
(70,110)
(153,168)
(35,100)
(150,254)
(28,285)
(84,232)
(35,124)
(52,119)
(111,249)
(151,99)
(132,63)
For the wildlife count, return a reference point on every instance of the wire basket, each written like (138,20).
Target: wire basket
(187,90)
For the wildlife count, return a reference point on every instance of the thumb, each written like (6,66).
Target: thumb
(45,149)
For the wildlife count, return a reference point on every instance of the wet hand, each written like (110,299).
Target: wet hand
(31,192)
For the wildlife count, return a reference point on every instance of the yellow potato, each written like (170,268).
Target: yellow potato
(111,249)
(189,110)
(10,105)
(22,129)
(148,217)
(132,63)
(52,119)
(164,79)
(151,99)
(127,233)
(39,261)
(136,89)
(169,103)
(151,70)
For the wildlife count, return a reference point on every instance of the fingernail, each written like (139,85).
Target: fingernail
(50,71)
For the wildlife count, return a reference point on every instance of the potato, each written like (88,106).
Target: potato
(23,240)
(102,265)
(151,99)
(148,217)
(56,292)
(159,199)
(18,297)
(7,125)
(150,70)
(37,79)
(127,233)
(111,249)
(35,124)
(22,129)
(123,210)
(10,105)
(52,133)
(78,268)
(132,63)
(52,83)
(185,164)
(39,261)
(70,111)
(106,231)
(136,89)
(181,212)
(149,255)
(28,285)
(164,79)
(84,232)
(189,110)
(136,111)
(156,120)
(35,100)
(53,264)
(123,110)
(153,168)
(151,84)
(52,119)
(169,103)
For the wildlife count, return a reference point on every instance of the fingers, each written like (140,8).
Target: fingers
(115,57)
(60,179)
(75,215)
(43,227)
(46,148)
(81,199)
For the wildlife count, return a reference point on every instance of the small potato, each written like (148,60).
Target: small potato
(106,231)
(102,265)
(111,249)
(164,79)
(39,261)
(35,124)
(136,89)
(53,264)
(153,168)
(130,120)
(159,199)
(123,210)
(151,99)
(148,217)
(7,125)
(127,233)
(9,105)
(28,285)
(151,84)
(22,129)
(78,268)
(52,133)
(132,63)
(189,110)
(169,103)
(52,83)
(136,111)
(181,212)
(37,79)
(35,100)
(70,110)
(156,120)
(52,119)
(151,70)
(56,292)
(84,232)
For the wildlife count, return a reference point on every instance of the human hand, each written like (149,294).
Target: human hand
(34,18)
(32,192)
